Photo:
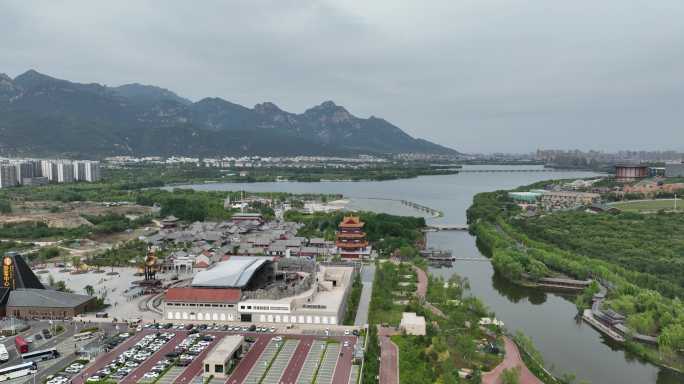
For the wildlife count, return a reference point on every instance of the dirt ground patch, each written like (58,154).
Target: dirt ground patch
(66,215)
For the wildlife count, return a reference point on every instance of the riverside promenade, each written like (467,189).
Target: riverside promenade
(512,360)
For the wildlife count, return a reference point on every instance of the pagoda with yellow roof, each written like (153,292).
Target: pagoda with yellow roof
(351,241)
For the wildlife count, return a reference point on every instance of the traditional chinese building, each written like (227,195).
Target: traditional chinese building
(22,294)
(351,240)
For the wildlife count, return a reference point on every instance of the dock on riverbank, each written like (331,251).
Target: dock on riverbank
(588,316)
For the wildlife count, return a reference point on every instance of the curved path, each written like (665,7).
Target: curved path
(512,360)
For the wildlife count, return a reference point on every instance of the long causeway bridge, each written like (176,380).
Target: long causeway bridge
(509,170)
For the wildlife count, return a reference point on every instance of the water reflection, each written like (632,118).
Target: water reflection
(549,319)
(515,293)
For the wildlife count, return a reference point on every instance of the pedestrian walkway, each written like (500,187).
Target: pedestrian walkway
(367,277)
(354,375)
(511,361)
(389,361)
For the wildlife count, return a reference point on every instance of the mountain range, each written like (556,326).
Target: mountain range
(41,115)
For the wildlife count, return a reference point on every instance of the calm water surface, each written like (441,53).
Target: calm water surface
(549,319)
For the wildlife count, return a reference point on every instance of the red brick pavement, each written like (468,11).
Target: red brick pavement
(242,370)
(292,371)
(389,361)
(344,362)
(511,360)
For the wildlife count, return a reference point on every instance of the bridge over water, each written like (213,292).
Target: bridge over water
(447,227)
(510,170)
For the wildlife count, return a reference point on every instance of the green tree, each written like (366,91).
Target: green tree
(5,206)
(90,291)
(511,376)
(408,252)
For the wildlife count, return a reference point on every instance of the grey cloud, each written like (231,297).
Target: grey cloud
(496,75)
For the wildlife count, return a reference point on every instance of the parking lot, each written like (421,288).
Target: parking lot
(174,354)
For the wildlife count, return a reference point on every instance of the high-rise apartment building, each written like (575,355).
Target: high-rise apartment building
(65,172)
(49,169)
(8,175)
(25,170)
(92,171)
(79,170)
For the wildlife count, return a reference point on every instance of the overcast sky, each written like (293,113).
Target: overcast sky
(478,76)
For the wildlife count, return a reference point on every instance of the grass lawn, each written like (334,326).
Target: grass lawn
(649,205)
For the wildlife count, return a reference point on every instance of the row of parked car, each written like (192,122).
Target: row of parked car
(189,348)
(62,377)
(128,360)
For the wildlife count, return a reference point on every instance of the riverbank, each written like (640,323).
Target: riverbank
(496,223)
(546,317)
(177,175)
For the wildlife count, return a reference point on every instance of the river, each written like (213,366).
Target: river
(549,319)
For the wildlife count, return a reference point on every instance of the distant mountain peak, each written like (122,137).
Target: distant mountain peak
(328,111)
(267,107)
(44,115)
(148,93)
(32,78)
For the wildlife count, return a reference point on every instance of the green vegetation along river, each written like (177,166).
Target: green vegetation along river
(549,319)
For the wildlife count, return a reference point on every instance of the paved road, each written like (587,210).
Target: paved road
(511,360)
(298,357)
(344,362)
(421,289)
(367,277)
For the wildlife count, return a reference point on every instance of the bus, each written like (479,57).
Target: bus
(45,354)
(4,355)
(18,371)
(21,344)
(83,336)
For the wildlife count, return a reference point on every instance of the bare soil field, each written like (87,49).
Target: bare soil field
(65,215)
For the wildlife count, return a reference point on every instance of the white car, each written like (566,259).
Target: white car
(151,375)
(277,338)
(93,379)
(346,332)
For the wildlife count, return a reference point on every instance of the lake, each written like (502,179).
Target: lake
(549,319)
